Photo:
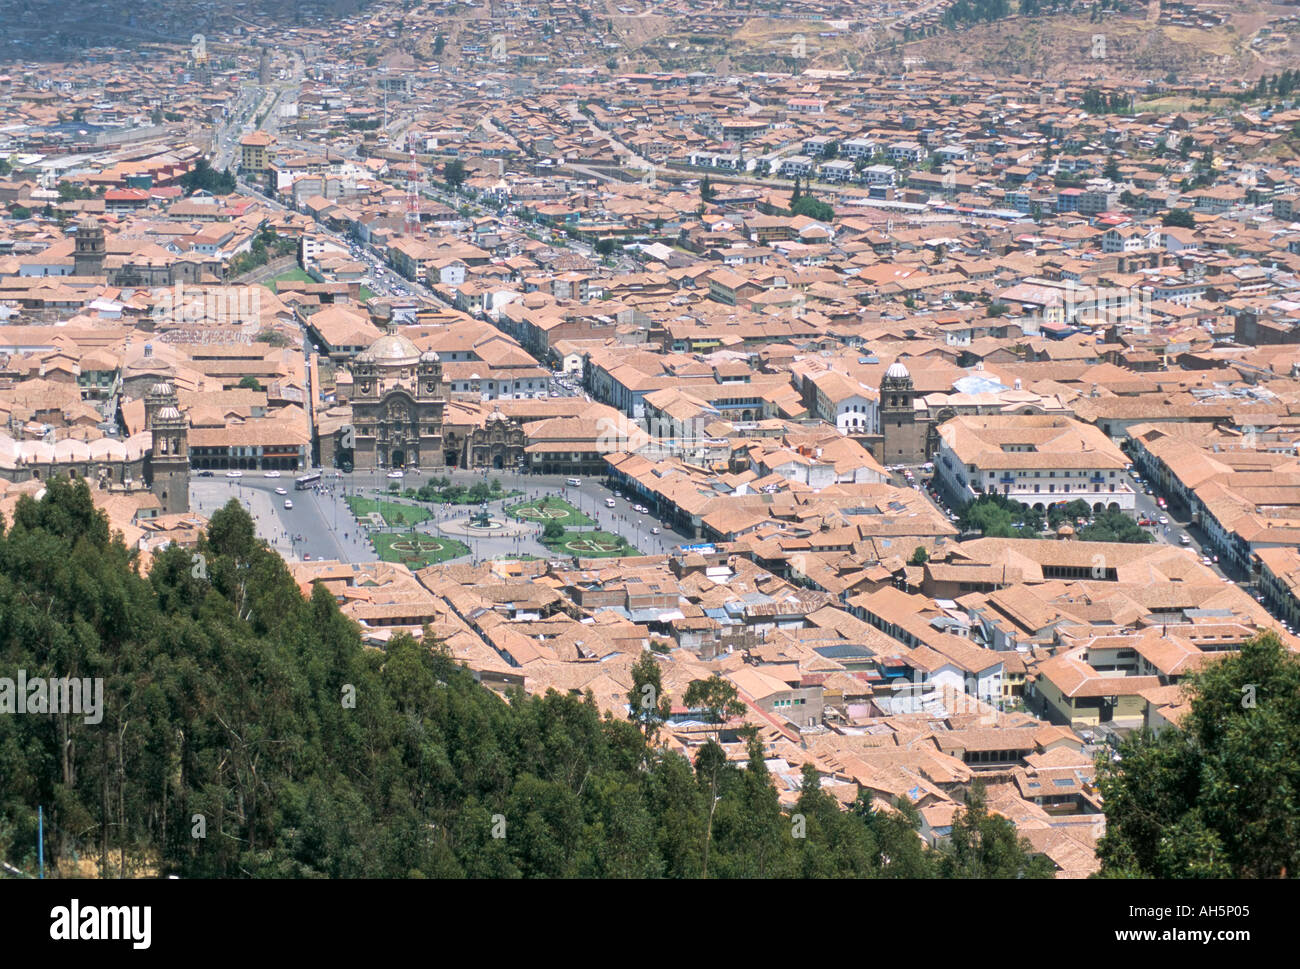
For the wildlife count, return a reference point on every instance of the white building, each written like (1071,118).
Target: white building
(796,165)
(1040,460)
(859,148)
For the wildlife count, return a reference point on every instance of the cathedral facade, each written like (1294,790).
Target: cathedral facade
(398,403)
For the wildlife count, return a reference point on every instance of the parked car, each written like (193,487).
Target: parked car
(281,491)
(272,474)
(234,474)
(205,474)
(395,474)
(654,531)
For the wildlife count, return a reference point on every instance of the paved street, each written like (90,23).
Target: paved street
(318,525)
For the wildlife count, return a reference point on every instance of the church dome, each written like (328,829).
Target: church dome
(161,389)
(391,351)
(429,356)
(169,413)
(897,371)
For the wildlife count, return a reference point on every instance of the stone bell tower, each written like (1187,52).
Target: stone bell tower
(904,436)
(90,249)
(169,457)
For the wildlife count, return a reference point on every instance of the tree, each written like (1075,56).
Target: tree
(206,178)
(716,698)
(813,209)
(996,516)
(1181,218)
(250,383)
(453,173)
(649,707)
(1218,797)
(706,189)
(552,531)
(1068,512)
(1114,526)
(984,845)
(920,556)
(837,844)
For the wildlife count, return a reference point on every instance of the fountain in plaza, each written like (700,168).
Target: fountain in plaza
(482,521)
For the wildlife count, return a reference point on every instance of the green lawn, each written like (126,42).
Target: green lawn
(418,550)
(292,276)
(390,510)
(541,510)
(367,294)
(589,545)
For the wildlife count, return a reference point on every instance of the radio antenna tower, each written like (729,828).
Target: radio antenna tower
(413,198)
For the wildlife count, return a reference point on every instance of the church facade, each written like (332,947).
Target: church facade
(399,418)
(398,402)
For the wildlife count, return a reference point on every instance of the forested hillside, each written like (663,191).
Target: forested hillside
(227,695)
